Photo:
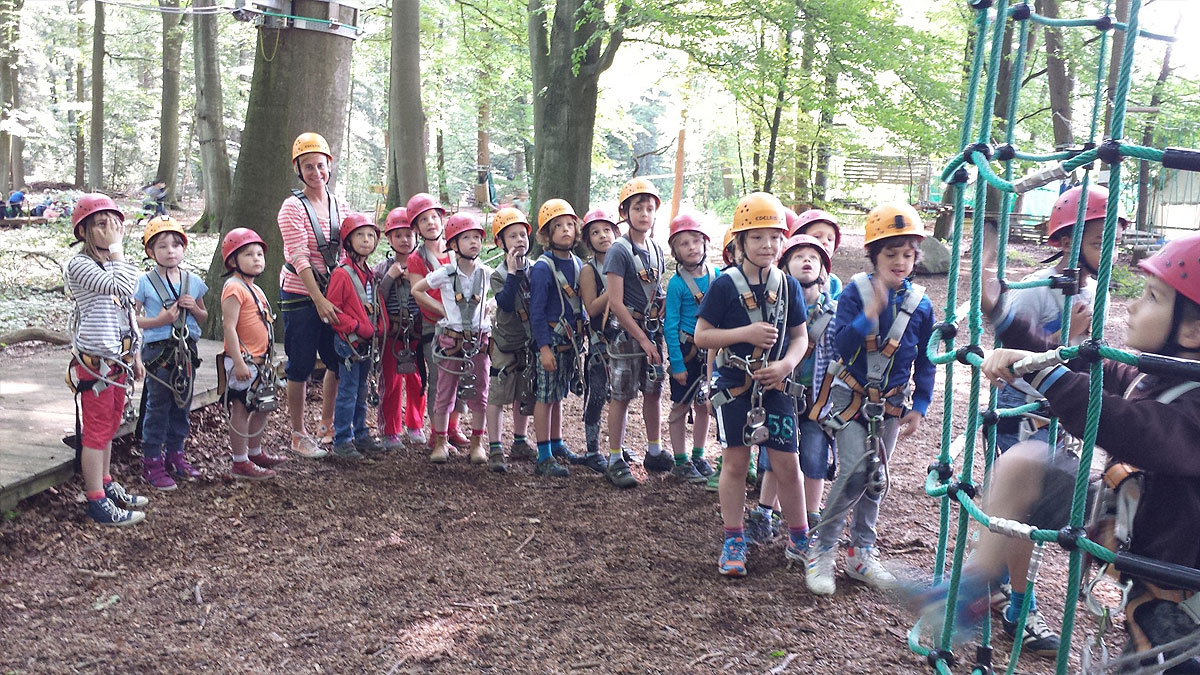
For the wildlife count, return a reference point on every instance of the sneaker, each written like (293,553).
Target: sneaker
(180,468)
(154,472)
(346,451)
(457,439)
(1000,597)
(565,454)
(369,445)
(688,474)
(818,573)
(105,512)
(703,467)
(732,562)
(758,528)
(619,475)
(306,446)
(777,528)
(630,456)
(1038,637)
(416,436)
(660,462)
(862,564)
(522,450)
(325,433)
(268,460)
(550,468)
(752,470)
(120,497)
(495,461)
(250,471)
(392,442)
(797,548)
(596,462)
(714,481)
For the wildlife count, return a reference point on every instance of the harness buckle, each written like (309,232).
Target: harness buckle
(873,410)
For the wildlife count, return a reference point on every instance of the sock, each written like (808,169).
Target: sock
(697,453)
(255,452)
(544,451)
(653,447)
(495,447)
(681,458)
(765,510)
(1014,607)
(240,458)
(734,532)
(479,432)
(95,496)
(107,480)
(615,453)
(556,444)
(518,438)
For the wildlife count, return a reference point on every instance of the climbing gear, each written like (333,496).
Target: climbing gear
(759,210)
(634,187)
(397,219)
(599,215)
(459,223)
(650,316)
(1169,266)
(523,361)
(732,562)
(686,221)
(505,218)
(1062,216)
(420,203)
(177,354)
(813,216)
(575,333)
(235,240)
(352,223)
(88,205)
(797,240)
(261,395)
(553,208)
(893,220)
(728,247)
(457,359)
(331,248)
(159,224)
(310,142)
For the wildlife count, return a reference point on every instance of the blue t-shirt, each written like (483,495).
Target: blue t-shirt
(722,308)
(681,316)
(835,286)
(544,303)
(153,305)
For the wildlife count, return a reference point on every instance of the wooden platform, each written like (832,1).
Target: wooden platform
(37,419)
(9,223)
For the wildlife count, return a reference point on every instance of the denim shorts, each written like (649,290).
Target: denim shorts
(305,336)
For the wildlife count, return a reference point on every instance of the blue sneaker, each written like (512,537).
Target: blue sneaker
(797,548)
(758,528)
(732,562)
(105,512)
(120,497)
(703,467)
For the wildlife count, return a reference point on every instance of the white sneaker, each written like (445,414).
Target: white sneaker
(417,437)
(818,575)
(306,446)
(862,563)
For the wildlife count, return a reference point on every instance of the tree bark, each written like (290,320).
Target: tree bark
(301,83)
(168,137)
(9,22)
(1143,204)
(1056,78)
(825,129)
(216,177)
(1120,13)
(443,188)
(95,177)
(406,117)
(18,142)
(74,119)
(777,116)
(483,157)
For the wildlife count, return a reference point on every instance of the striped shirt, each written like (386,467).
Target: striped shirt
(99,290)
(299,242)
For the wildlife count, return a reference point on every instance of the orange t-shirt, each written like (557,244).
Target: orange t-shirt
(250,328)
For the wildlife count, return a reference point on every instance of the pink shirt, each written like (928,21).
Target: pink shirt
(299,242)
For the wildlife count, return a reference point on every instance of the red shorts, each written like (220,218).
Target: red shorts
(102,411)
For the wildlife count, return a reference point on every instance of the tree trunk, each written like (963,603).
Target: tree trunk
(1143,204)
(95,176)
(9,22)
(18,142)
(1120,13)
(74,119)
(216,177)
(1000,108)
(1056,77)
(777,116)
(300,84)
(825,129)
(168,137)
(443,188)
(406,117)
(756,156)
(483,158)
(565,92)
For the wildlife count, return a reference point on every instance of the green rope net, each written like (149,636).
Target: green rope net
(944,482)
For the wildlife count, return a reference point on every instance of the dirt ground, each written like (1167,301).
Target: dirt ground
(396,565)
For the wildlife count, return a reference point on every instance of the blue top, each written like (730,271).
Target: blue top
(722,308)
(544,303)
(506,299)
(681,316)
(835,286)
(153,305)
(16,197)
(851,326)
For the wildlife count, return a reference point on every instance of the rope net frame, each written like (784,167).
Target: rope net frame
(959,487)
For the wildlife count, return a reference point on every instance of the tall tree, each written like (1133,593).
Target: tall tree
(74,119)
(95,176)
(301,83)
(9,21)
(406,117)
(1143,203)
(1059,83)
(168,138)
(216,177)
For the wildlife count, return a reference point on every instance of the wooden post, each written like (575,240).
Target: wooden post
(677,191)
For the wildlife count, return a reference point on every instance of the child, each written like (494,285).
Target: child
(511,368)
(633,269)
(599,232)
(755,316)
(689,245)
(427,217)
(462,332)
(104,343)
(864,391)
(248,357)
(401,363)
(822,226)
(730,256)
(729,252)
(352,290)
(558,331)
(173,302)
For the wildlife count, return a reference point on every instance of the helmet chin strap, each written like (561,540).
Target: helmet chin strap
(556,247)
(809,284)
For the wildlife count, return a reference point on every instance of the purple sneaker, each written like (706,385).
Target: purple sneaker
(181,468)
(154,472)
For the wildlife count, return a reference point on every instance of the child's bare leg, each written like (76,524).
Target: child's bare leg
(239,421)
(813,488)
(700,425)
(520,422)
(1014,487)
(328,396)
(768,494)
(652,413)
(616,423)
(296,392)
(786,467)
(732,488)
(256,425)
(94,468)
(495,422)
(677,426)
(541,421)
(556,420)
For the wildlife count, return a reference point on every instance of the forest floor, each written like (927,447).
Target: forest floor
(397,565)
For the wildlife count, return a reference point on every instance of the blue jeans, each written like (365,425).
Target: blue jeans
(1007,430)
(305,336)
(817,449)
(350,406)
(165,426)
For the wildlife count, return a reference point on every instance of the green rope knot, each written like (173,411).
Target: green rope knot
(946,330)
(1110,151)
(1070,537)
(982,148)
(1021,12)
(1005,152)
(943,469)
(1104,23)
(983,660)
(989,418)
(960,176)
(955,487)
(980,4)
(961,354)
(1089,350)
(936,655)
(1067,282)
(1181,158)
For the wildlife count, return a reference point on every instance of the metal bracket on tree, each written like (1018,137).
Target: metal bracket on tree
(283,14)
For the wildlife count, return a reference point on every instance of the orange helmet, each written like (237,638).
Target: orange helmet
(310,142)
(638,186)
(759,210)
(728,247)
(505,217)
(1067,207)
(893,220)
(159,224)
(89,204)
(553,208)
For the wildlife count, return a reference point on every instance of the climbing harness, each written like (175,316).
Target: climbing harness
(574,332)
(261,395)
(697,391)
(329,248)
(177,354)
(457,358)
(523,362)
(402,325)
(648,317)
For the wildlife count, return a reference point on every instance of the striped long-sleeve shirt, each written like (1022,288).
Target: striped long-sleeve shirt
(99,290)
(299,242)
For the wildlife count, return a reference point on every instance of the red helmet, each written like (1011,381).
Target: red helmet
(89,204)
(237,238)
(812,216)
(420,203)
(462,222)
(1067,206)
(1170,265)
(686,221)
(797,240)
(356,221)
(397,219)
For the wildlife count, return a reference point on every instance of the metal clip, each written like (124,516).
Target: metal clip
(755,431)
(873,410)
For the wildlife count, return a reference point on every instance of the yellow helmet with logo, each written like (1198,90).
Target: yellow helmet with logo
(638,186)
(893,220)
(757,211)
(509,215)
(553,208)
(310,142)
(159,224)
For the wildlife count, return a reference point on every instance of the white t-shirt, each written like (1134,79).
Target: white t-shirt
(443,279)
(1042,306)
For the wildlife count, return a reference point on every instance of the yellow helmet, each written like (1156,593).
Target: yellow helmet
(159,224)
(728,255)
(553,208)
(893,220)
(509,215)
(759,210)
(638,186)
(310,142)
